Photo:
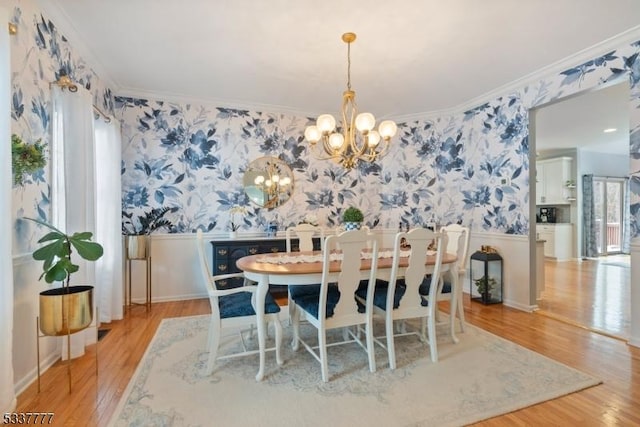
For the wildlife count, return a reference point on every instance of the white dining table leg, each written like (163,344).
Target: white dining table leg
(261,294)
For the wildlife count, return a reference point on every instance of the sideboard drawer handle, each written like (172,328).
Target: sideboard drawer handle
(274,249)
(222,283)
(222,267)
(222,251)
(253,251)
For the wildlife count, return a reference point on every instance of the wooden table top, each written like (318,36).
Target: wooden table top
(250,263)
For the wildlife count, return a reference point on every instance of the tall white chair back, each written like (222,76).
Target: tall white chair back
(413,303)
(332,305)
(305,234)
(458,245)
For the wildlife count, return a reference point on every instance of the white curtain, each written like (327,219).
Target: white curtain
(109,285)
(73,185)
(7,394)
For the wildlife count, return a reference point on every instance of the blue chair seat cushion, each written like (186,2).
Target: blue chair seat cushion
(239,305)
(425,286)
(380,294)
(309,299)
(296,291)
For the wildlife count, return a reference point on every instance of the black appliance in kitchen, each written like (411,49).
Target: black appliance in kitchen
(547,215)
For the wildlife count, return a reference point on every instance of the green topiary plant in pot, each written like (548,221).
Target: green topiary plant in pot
(352,218)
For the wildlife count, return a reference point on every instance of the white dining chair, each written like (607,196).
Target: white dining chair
(457,244)
(233,308)
(399,298)
(305,234)
(332,303)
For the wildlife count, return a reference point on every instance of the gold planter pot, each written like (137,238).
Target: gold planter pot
(66,310)
(137,247)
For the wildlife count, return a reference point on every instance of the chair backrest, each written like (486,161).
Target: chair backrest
(420,240)
(202,260)
(351,243)
(341,229)
(458,243)
(305,234)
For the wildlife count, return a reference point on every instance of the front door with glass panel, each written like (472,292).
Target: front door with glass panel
(608,194)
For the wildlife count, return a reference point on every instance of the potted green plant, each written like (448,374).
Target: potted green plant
(25,158)
(485,287)
(138,229)
(352,218)
(67,309)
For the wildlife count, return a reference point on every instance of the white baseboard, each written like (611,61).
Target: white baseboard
(24,382)
(522,307)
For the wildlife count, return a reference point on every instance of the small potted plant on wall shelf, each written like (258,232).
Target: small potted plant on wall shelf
(352,218)
(137,230)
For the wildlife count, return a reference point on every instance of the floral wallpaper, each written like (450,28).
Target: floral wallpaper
(448,169)
(39,55)
(191,157)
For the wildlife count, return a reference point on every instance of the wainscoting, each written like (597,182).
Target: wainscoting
(175,271)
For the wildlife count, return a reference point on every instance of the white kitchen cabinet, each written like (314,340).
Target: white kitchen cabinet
(552,176)
(559,240)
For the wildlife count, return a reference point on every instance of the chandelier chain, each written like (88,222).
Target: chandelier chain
(349,66)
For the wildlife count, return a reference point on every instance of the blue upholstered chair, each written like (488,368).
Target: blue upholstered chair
(400,298)
(233,308)
(331,304)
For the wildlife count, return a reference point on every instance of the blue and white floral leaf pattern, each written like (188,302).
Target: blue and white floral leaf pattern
(192,157)
(17,107)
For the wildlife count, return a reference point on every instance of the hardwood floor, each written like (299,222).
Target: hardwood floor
(615,402)
(593,293)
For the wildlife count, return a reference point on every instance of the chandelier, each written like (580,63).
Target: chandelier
(357,138)
(272,185)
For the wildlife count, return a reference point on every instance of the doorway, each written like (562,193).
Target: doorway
(608,197)
(591,292)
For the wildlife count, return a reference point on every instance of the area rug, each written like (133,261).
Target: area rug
(480,377)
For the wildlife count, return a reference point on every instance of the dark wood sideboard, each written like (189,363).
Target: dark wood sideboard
(227,251)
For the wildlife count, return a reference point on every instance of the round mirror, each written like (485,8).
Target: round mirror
(268,182)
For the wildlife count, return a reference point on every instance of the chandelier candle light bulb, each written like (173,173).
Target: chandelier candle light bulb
(348,146)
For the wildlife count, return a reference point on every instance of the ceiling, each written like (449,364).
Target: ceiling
(580,121)
(410,57)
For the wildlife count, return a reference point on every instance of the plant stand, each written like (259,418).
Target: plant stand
(138,257)
(63,324)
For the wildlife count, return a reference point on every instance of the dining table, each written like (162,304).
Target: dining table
(305,268)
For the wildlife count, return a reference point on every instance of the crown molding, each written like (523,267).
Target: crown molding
(61,20)
(615,42)
(215,102)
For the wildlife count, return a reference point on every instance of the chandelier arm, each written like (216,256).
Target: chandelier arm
(324,152)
